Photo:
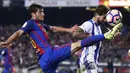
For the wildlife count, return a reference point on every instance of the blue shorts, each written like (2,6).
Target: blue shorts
(7,68)
(57,54)
(6,71)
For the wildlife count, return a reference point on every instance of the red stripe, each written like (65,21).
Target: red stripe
(40,50)
(45,34)
(10,59)
(60,47)
(43,31)
(39,37)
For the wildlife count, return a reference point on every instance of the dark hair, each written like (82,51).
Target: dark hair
(34,8)
(101,10)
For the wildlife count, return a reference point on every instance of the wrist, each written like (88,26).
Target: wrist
(68,30)
(7,42)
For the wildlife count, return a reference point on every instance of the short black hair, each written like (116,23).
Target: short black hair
(101,10)
(34,8)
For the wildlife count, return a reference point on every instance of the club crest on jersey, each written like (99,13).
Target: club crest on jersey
(24,25)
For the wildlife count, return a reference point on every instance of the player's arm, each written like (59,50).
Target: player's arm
(61,29)
(11,38)
(79,33)
(27,26)
(83,30)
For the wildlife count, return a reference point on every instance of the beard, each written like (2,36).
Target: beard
(100,22)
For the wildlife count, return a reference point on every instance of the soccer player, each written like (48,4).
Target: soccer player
(49,56)
(6,60)
(90,55)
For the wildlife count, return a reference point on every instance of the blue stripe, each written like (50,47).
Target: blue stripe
(97,44)
(96,51)
(92,27)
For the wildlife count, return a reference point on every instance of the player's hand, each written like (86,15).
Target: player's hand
(110,34)
(3,44)
(73,29)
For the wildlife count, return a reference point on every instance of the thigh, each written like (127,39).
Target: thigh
(57,55)
(75,46)
(61,53)
(64,52)
(47,66)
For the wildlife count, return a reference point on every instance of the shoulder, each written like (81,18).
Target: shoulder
(29,21)
(43,24)
(87,23)
(87,26)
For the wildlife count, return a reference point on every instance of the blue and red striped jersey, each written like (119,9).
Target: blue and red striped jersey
(37,31)
(6,57)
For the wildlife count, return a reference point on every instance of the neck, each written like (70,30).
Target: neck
(94,19)
(33,18)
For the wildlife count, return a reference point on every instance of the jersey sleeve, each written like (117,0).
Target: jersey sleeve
(1,55)
(87,27)
(27,26)
(47,27)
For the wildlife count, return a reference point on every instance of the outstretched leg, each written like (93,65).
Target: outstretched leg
(93,39)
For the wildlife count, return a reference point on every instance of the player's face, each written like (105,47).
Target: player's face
(40,15)
(101,19)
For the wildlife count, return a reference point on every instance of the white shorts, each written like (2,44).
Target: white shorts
(90,67)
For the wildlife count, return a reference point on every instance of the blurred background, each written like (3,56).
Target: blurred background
(66,13)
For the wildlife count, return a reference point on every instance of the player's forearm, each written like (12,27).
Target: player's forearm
(14,36)
(60,29)
(80,35)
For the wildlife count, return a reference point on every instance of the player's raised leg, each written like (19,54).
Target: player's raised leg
(93,39)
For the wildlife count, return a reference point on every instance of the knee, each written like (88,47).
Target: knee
(75,46)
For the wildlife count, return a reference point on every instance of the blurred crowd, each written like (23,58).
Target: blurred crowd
(116,50)
(24,55)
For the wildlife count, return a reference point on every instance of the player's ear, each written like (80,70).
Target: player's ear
(97,15)
(32,14)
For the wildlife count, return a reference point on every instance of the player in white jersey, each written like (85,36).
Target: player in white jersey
(89,57)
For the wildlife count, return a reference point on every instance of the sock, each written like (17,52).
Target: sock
(91,40)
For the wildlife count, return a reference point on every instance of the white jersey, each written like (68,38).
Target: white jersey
(91,53)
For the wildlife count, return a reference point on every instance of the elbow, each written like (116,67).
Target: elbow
(55,31)
(53,28)
(74,35)
(19,32)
